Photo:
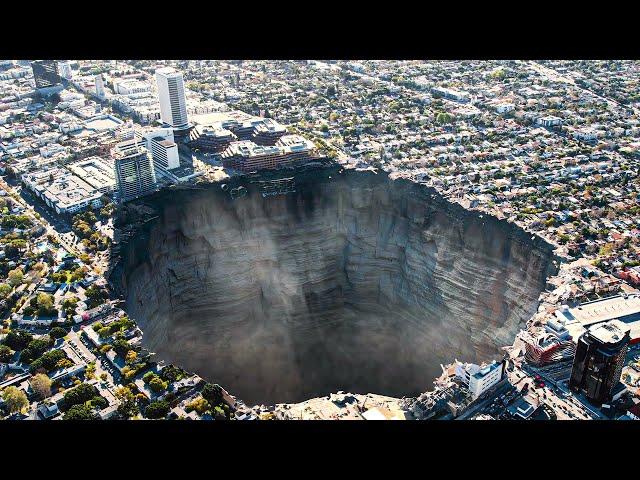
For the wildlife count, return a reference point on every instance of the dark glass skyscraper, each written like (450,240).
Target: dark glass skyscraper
(599,359)
(45,73)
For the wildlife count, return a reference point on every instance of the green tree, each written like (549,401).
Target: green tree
(98,402)
(128,407)
(57,332)
(79,395)
(212,393)
(95,296)
(443,118)
(172,373)
(35,349)
(80,412)
(606,250)
(124,393)
(158,409)
(104,332)
(5,290)
(41,385)
(15,277)
(15,399)
(157,385)
(51,360)
(18,339)
(131,357)
(200,405)
(5,354)
(45,304)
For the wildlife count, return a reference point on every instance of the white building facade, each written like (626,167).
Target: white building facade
(479,379)
(100,86)
(171,95)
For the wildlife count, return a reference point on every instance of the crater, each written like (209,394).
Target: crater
(294,288)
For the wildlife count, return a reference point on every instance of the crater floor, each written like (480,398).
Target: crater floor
(354,282)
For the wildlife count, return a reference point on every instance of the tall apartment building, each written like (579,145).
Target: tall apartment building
(45,73)
(163,149)
(164,153)
(65,71)
(173,103)
(134,170)
(100,92)
(599,359)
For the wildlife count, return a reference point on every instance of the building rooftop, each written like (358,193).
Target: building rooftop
(96,171)
(484,371)
(168,72)
(521,408)
(162,141)
(625,308)
(61,188)
(609,333)
(128,148)
(269,126)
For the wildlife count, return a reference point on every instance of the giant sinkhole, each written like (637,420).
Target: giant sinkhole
(284,288)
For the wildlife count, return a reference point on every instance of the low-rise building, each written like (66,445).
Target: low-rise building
(451,94)
(211,138)
(289,150)
(62,190)
(477,378)
(97,172)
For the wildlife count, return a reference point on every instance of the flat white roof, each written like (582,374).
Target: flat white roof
(609,332)
(626,310)
(602,310)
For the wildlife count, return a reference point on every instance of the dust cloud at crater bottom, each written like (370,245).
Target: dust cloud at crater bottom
(355,283)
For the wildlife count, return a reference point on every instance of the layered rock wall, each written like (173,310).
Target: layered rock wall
(354,282)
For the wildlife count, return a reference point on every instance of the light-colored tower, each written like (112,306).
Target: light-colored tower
(163,149)
(65,70)
(173,104)
(100,86)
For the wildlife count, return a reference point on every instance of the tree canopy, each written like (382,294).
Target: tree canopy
(18,339)
(80,412)
(41,385)
(5,354)
(15,277)
(57,332)
(79,395)
(15,399)
(158,409)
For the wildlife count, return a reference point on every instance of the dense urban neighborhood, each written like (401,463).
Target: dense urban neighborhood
(552,147)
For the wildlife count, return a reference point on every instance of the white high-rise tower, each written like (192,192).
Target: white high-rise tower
(173,104)
(65,70)
(99,86)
